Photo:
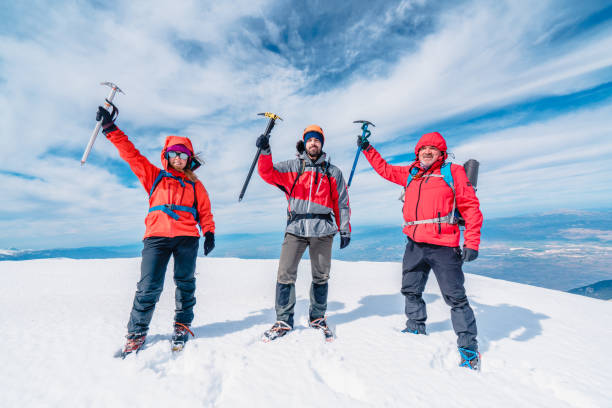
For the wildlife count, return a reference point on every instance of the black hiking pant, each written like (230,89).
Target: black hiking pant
(419,259)
(155,257)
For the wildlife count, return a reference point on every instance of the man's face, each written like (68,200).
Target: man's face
(313,147)
(428,155)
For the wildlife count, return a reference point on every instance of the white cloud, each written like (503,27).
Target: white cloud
(479,57)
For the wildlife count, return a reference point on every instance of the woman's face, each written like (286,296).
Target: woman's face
(177,162)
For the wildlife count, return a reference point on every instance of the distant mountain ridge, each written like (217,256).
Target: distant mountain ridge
(599,290)
(564,250)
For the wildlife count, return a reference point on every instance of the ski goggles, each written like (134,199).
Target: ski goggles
(172,154)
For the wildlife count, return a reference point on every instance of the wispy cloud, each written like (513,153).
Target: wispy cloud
(204,70)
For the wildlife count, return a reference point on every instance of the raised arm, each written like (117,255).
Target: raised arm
(140,165)
(395,174)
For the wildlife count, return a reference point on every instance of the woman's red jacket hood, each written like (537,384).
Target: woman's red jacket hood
(171,141)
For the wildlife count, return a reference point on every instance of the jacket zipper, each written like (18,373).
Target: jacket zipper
(320,181)
(416,210)
(439,225)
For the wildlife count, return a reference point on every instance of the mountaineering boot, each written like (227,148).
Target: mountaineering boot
(134,343)
(180,336)
(469,359)
(278,329)
(321,323)
(415,329)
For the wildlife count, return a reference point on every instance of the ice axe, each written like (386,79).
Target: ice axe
(364,136)
(271,122)
(107,103)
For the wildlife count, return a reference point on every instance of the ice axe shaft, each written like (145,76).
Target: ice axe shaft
(272,119)
(94,135)
(364,135)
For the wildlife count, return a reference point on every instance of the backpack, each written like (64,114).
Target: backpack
(170,208)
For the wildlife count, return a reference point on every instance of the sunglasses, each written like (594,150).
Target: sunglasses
(181,155)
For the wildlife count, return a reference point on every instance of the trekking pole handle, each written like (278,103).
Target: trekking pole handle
(94,135)
(365,134)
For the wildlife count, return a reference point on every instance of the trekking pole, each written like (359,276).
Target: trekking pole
(107,104)
(365,134)
(271,122)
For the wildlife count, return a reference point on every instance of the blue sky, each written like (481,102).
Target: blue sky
(524,87)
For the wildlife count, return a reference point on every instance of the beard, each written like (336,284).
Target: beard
(313,151)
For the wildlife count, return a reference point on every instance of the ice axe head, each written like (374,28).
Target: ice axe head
(366,123)
(364,127)
(270,115)
(113,86)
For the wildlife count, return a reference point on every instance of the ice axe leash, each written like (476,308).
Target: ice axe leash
(364,136)
(108,102)
(272,119)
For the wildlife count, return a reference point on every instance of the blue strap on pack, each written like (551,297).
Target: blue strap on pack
(445,171)
(170,208)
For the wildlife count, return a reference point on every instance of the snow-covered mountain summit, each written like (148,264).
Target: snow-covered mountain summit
(62,320)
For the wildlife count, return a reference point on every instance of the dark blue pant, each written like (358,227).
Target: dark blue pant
(446,263)
(155,256)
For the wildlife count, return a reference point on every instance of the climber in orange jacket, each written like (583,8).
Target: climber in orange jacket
(178,204)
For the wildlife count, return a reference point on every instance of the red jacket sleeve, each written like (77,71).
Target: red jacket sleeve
(271,175)
(395,174)
(469,207)
(140,165)
(206,218)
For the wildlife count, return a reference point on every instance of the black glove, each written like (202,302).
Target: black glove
(344,241)
(108,122)
(209,242)
(469,254)
(363,143)
(263,142)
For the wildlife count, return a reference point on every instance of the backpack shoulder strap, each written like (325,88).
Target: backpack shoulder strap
(445,170)
(159,178)
(413,171)
(195,200)
(302,167)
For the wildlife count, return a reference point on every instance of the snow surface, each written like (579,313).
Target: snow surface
(63,319)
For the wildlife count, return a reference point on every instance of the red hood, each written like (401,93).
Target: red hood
(431,139)
(171,141)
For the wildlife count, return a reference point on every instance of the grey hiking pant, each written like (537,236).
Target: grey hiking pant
(419,259)
(293,248)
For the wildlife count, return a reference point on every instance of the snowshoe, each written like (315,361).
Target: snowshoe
(278,329)
(321,324)
(469,359)
(134,343)
(180,336)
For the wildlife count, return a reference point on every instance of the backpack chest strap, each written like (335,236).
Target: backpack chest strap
(171,208)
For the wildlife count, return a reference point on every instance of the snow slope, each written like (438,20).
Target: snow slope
(62,320)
